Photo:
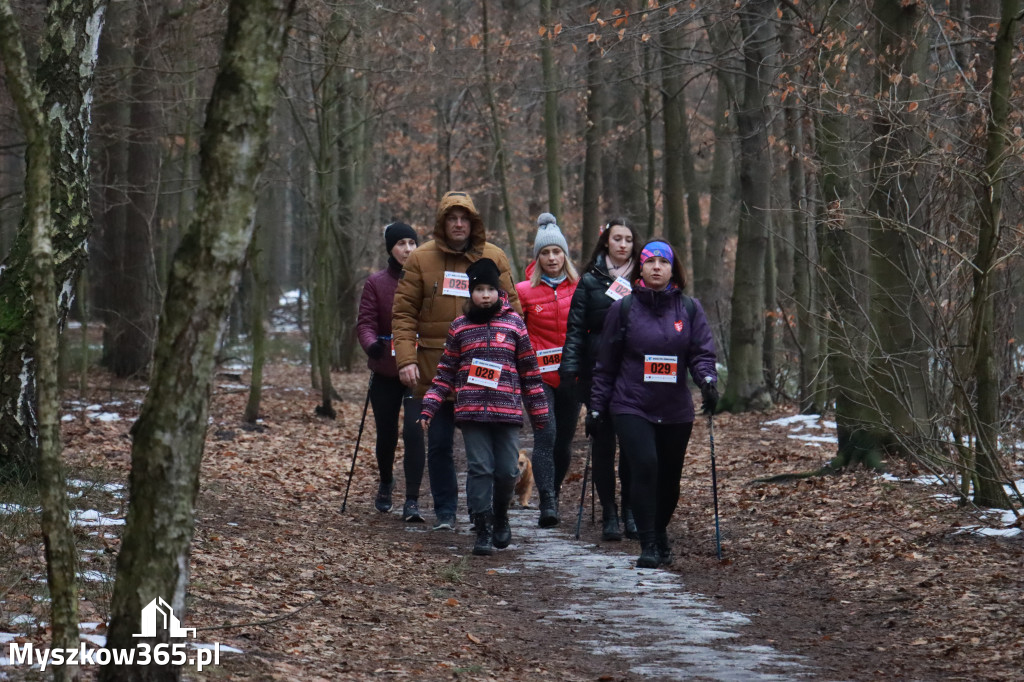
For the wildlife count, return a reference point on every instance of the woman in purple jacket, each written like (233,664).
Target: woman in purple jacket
(640,382)
(387,392)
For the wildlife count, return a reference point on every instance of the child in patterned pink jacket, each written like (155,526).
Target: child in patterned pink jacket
(490,366)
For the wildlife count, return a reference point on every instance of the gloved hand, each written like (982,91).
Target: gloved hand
(710,395)
(376,349)
(593,423)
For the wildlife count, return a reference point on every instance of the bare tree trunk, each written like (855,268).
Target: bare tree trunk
(170,433)
(677,144)
(989,491)
(550,77)
(67,68)
(593,141)
(500,160)
(58,538)
(257,315)
(746,387)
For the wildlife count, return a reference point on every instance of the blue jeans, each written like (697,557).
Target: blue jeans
(552,446)
(441,461)
(492,461)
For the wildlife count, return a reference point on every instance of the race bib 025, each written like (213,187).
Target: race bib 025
(455,284)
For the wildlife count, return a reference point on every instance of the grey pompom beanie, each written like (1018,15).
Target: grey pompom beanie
(548,234)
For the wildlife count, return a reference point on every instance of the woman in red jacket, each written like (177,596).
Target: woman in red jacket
(545,298)
(387,393)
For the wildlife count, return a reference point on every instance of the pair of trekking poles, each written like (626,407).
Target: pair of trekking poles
(714,487)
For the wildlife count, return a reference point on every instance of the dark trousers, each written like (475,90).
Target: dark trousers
(655,453)
(602,452)
(441,459)
(552,446)
(387,395)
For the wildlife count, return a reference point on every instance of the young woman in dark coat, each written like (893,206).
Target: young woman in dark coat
(640,383)
(387,393)
(606,278)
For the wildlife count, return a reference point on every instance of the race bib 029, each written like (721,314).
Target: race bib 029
(661,368)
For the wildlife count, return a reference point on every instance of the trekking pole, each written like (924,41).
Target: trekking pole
(359,437)
(583,494)
(714,484)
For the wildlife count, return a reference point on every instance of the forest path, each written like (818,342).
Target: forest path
(380,598)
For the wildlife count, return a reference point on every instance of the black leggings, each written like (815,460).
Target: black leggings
(602,450)
(387,395)
(655,454)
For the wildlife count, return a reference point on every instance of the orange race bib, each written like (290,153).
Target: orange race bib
(618,289)
(483,373)
(549,360)
(661,368)
(455,284)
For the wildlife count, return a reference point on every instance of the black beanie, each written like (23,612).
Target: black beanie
(483,271)
(396,232)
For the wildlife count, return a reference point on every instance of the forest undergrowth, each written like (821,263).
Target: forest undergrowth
(866,577)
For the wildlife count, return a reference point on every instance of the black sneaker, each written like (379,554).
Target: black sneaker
(383,501)
(445,522)
(411,512)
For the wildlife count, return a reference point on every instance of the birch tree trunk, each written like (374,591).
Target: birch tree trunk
(66,68)
(58,538)
(169,435)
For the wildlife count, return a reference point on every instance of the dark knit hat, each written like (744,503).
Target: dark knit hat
(548,234)
(396,232)
(483,271)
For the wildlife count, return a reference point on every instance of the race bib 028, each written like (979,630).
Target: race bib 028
(483,373)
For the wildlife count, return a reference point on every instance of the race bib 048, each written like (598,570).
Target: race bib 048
(550,359)
(661,368)
(455,284)
(483,373)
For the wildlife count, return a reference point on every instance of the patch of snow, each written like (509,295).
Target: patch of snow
(815,439)
(91,517)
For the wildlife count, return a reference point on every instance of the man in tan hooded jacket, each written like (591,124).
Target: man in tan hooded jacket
(430,295)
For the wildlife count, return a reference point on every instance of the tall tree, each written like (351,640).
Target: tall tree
(169,435)
(989,489)
(677,147)
(40,210)
(746,387)
(550,77)
(593,140)
(66,71)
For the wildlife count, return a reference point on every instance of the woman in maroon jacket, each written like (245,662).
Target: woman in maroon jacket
(387,392)
(647,345)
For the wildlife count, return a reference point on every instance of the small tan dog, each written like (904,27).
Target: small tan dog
(524,482)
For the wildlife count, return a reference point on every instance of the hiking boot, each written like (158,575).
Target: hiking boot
(383,501)
(628,524)
(503,490)
(610,528)
(649,555)
(482,524)
(411,512)
(445,522)
(548,510)
(663,546)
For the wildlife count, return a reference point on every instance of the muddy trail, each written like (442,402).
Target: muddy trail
(844,578)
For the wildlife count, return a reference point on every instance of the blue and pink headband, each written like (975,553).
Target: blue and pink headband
(659,249)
